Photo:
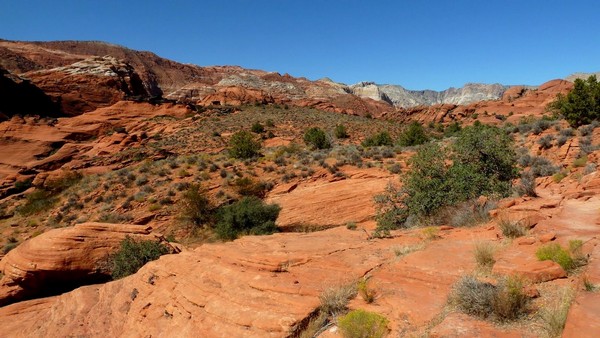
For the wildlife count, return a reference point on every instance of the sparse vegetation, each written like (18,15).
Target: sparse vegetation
(504,301)
(248,216)
(511,228)
(340,132)
(361,323)
(568,259)
(380,139)
(367,294)
(554,315)
(484,254)
(334,300)
(132,255)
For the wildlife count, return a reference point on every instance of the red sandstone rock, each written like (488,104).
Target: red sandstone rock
(548,237)
(534,271)
(64,255)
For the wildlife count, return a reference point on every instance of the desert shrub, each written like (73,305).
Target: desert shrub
(37,201)
(414,135)
(334,300)
(483,163)
(242,145)
(540,125)
(247,186)
(473,297)
(467,213)
(367,294)
(23,185)
(248,216)
(559,176)
(554,315)
(316,138)
(195,205)
(510,228)
(580,162)
(503,302)
(561,140)
(589,168)
(567,132)
(526,185)
(510,302)
(557,254)
(257,128)
(484,254)
(340,131)
(582,104)
(63,182)
(585,145)
(11,243)
(545,142)
(361,323)
(542,167)
(132,255)
(452,129)
(380,139)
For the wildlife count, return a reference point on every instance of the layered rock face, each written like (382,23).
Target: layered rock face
(88,84)
(403,98)
(19,96)
(63,258)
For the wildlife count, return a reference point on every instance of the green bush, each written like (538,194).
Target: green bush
(132,255)
(414,135)
(380,139)
(362,324)
(248,216)
(557,254)
(242,145)
(257,128)
(340,131)
(316,138)
(196,208)
(482,162)
(582,104)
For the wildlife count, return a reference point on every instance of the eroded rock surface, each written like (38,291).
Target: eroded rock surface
(62,257)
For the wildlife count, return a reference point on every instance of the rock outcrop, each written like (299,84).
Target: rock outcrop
(88,84)
(20,97)
(403,98)
(62,259)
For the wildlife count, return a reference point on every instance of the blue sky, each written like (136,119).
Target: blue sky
(418,44)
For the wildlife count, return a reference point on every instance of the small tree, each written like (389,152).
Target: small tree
(242,145)
(316,138)
(413,135)
(582,104)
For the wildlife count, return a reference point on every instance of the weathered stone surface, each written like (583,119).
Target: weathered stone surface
(534,271)
(62,256)
(327,204)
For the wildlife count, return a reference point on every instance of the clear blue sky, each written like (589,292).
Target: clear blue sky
(418,43)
